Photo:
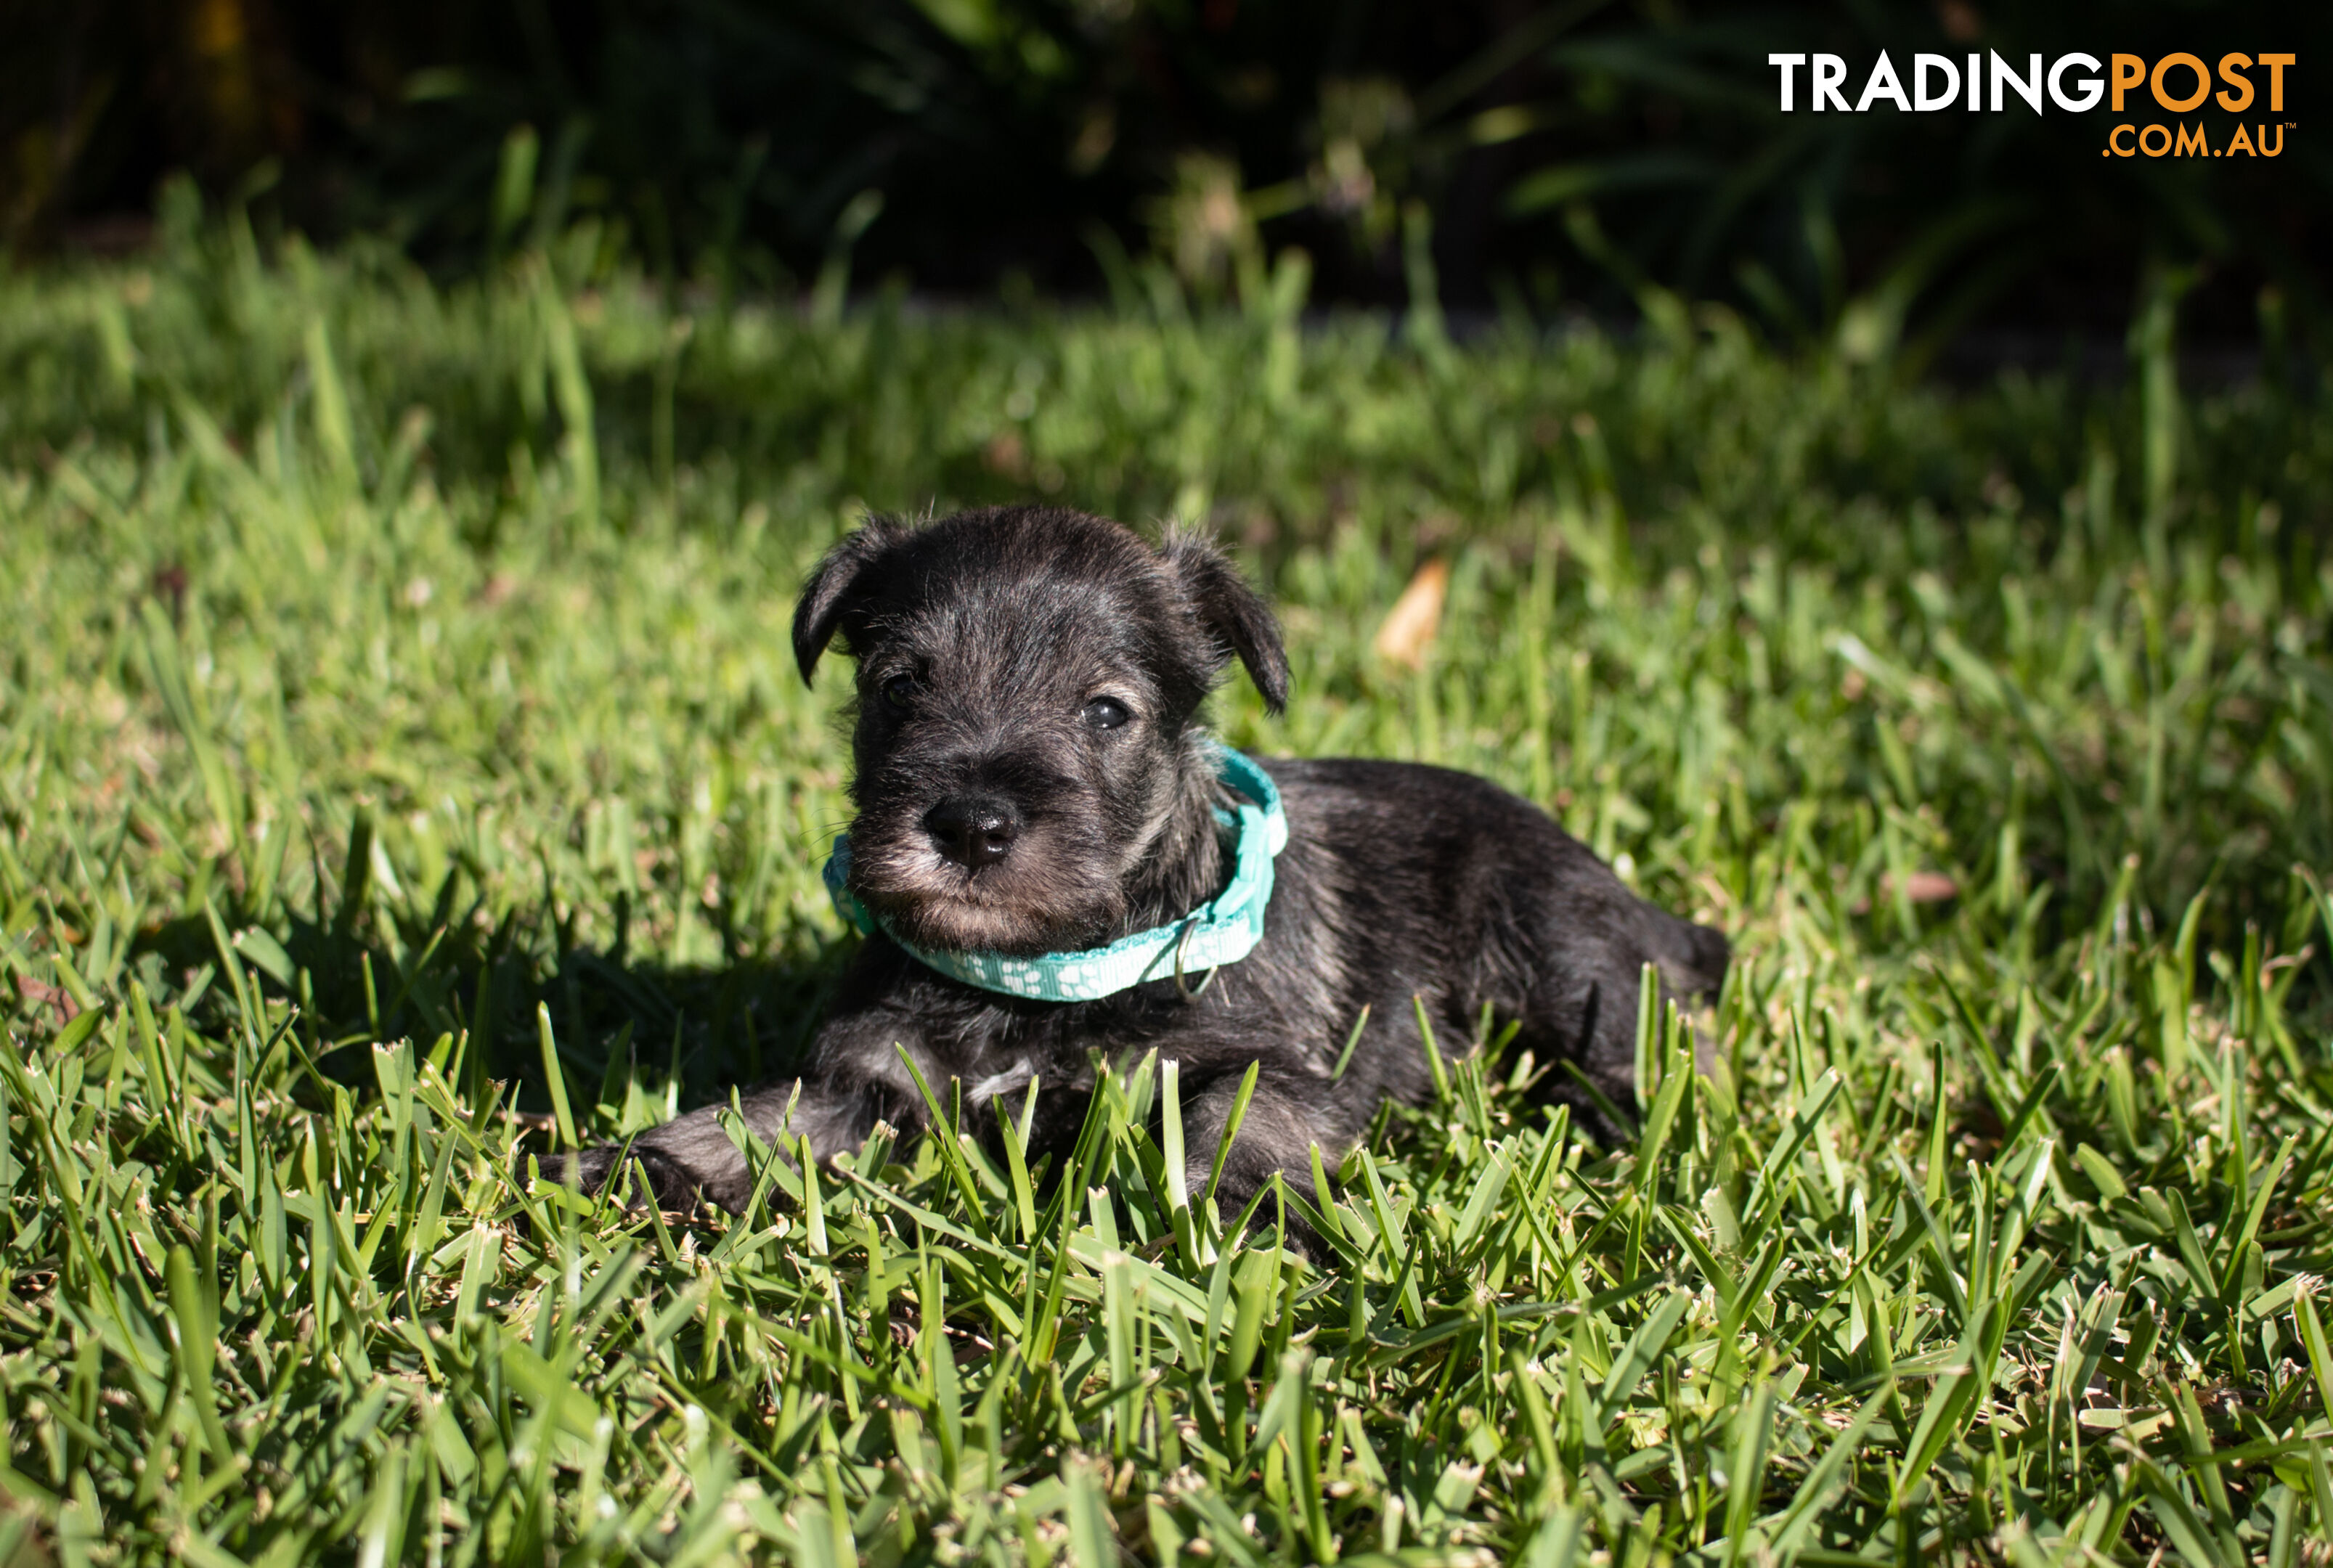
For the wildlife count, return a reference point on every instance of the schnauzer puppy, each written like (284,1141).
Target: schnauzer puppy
(1033,783)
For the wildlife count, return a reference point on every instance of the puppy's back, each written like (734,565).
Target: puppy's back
(1459,891)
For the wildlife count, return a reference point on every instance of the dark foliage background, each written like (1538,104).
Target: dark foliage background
(1534,155)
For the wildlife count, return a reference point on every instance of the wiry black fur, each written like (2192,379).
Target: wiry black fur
(1397,880)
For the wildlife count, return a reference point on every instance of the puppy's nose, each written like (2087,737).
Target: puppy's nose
(973,830)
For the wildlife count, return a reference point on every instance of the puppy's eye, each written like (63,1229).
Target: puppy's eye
(1107,714)
(900,693)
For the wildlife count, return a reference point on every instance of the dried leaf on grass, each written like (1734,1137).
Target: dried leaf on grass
(1407,633)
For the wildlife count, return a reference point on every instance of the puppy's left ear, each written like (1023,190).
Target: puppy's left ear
(1232,612)
(847,575)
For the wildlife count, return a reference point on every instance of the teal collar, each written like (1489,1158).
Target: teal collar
(1224,930)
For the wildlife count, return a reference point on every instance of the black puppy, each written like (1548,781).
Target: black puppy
(1032,780)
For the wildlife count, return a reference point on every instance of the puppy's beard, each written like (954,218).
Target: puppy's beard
(1035,900)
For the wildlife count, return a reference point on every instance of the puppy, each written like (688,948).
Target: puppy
(1032,780)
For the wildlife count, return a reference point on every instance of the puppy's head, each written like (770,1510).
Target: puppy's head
(1028,682)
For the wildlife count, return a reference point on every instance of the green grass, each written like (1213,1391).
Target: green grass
(357,765)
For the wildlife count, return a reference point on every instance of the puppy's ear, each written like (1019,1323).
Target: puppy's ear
(845,579)
(1232,612)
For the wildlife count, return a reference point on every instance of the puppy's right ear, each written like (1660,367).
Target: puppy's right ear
(849,575)
(1233,614)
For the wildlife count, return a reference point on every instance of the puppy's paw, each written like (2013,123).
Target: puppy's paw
(654,1178)
(1264,1221)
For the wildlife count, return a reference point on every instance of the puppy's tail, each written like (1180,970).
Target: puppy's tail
(1696,958)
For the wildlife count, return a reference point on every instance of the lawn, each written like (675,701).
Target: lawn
(402,767)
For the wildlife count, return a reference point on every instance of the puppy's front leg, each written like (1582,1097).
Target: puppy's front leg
(1275,1136)
(693,1157)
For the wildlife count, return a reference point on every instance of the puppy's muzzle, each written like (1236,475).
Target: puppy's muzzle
(974,830)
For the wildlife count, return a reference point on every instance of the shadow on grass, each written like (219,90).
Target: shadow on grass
(635,1034)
